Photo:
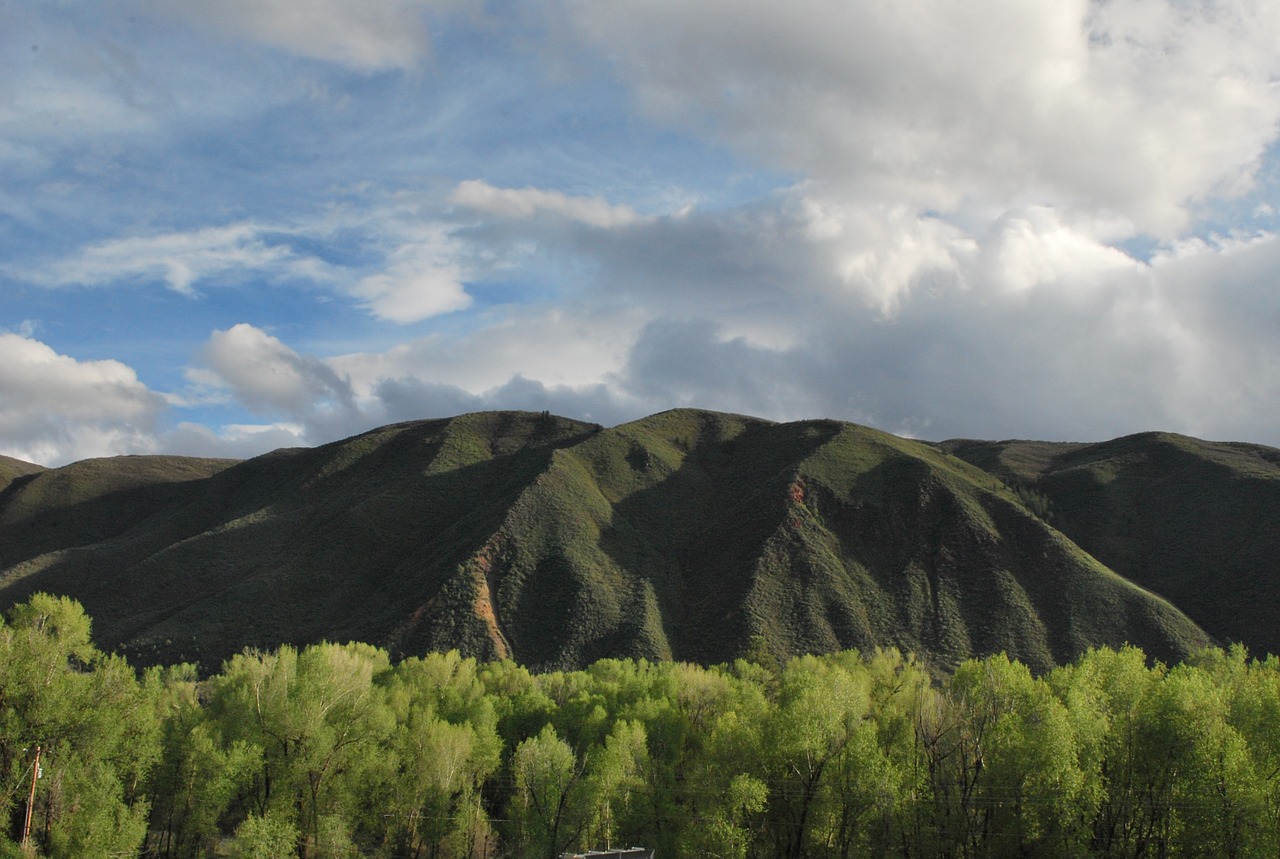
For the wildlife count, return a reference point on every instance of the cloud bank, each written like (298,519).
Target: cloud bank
(1031,327)
(1137,109)
(988,219)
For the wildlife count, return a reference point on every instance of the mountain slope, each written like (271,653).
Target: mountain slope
(554,542)
(88,502)
(12,469)
(299,545)
(686,533)
(1196,521)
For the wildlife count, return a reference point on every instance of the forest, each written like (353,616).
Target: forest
(332,751)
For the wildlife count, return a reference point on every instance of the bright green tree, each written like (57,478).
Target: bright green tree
(443,747)
(270,836)
(1017,749)
(97,728)
(320,723)
(199,775)
(724,762)
(821,709)
(547,809)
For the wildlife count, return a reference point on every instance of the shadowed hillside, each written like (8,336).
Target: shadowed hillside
(344,541)
(1196,521)
(11,469)
(554,542)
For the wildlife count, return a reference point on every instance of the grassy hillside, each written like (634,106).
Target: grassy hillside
(687,533)
(555,542)
(346,541)
(92,501)
(1196,521)
(12,469)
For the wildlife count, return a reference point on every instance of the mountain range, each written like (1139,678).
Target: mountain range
(687,535)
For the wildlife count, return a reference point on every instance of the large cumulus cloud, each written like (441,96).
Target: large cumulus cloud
(54,408)
(1134,107)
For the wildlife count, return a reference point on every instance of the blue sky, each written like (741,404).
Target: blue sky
(235,225)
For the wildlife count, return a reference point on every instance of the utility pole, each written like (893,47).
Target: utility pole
(31,799)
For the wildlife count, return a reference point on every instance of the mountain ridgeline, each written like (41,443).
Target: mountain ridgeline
(686,535)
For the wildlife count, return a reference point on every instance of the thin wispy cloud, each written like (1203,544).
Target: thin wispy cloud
(362,35)
(179,260)
(479,196)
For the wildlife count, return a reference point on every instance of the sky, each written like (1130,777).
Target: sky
(229,226)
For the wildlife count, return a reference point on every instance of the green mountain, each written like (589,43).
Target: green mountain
(1196,521)
(682,535)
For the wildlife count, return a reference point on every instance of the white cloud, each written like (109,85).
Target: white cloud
(420,275)
(181,259)
(675,364)
(267,376)
(233,441)
(535,202)
(54,409)
(413,399)
(1226,305)
(1132,107)
(421,278)
(1033,327)
(803,305)
(555,362)
(416,287)
(564,347)
(1034,249)
(880,253)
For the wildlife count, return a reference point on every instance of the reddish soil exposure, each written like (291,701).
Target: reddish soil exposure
(486,581)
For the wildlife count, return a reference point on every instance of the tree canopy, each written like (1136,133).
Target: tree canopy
(333,751)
